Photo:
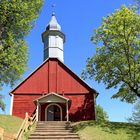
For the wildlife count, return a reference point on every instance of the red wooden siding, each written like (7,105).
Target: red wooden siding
(24,103)
(54,76)
(82,108)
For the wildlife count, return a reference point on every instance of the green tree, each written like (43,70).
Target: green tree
(17,18)
(101,114)
(136,114)
(117,59)
(2,105)
(137,3)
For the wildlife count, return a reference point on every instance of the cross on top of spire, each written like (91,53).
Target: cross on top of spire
(53,9)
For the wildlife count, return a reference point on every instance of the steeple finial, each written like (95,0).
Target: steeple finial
(53,9)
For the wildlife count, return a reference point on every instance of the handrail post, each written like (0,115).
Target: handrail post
(1,133)
(26,123)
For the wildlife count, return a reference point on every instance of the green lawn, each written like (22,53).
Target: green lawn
(89,130)
(10,123)
(92,130)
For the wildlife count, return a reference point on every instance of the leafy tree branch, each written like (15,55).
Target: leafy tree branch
(17,18)
(117,59)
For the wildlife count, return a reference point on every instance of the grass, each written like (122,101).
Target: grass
(10,123)
(91,130)
(88,130)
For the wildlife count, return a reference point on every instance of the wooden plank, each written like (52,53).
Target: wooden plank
(1,133)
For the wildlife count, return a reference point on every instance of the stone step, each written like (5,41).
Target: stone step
(52,126)
(54,129)
(54,134)
(53,122)
(42,125)
(57,123)
(53,137)
(57,131)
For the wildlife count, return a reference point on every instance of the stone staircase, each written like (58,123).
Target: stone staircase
(53,130)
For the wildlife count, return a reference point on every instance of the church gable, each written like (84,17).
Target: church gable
(52,76)
(71,82)
(35,83)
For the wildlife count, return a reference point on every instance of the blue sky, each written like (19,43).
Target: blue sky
(78,19)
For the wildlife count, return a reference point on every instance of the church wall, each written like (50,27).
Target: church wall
(54,76)
(23,104)
(36,83)
(82,107)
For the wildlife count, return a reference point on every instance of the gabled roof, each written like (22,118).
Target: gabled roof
(52,94)
(94,91)
(28,76)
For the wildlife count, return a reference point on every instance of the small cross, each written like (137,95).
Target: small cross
(53,9)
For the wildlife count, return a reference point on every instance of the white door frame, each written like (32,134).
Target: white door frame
(46,109)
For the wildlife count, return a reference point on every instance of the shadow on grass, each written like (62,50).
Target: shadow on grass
(133,130)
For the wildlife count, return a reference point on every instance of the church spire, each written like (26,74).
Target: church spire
(53,39)
(53,25)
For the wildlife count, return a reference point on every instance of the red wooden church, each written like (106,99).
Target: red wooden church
(53,91)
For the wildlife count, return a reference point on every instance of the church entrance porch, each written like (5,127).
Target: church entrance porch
(52,107)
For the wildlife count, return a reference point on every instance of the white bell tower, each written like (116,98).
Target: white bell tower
(53,40)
